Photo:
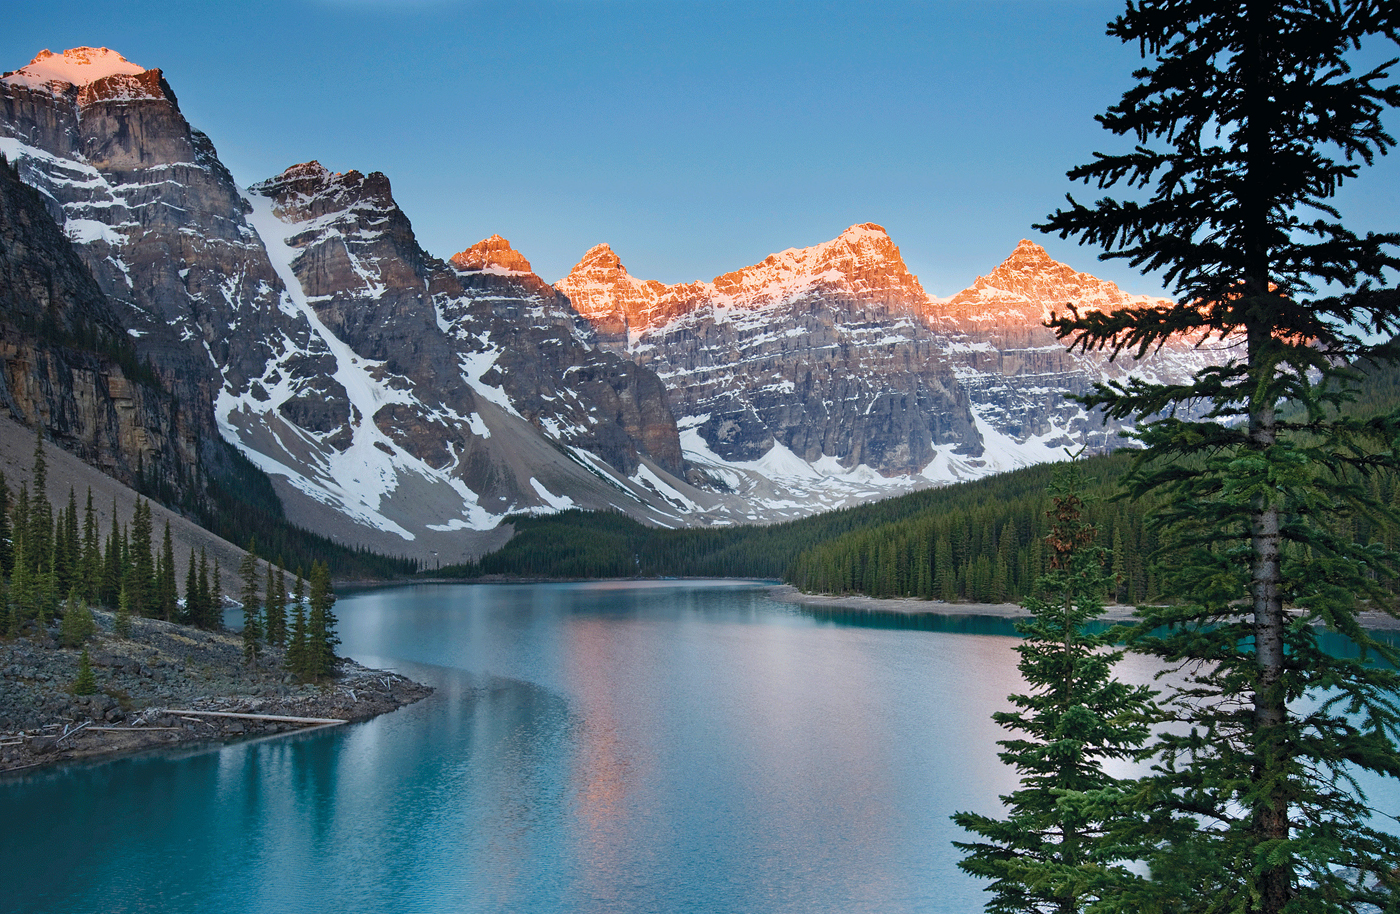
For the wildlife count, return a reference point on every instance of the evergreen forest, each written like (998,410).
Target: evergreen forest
(56,565)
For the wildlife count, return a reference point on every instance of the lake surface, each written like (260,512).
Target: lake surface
(633,747)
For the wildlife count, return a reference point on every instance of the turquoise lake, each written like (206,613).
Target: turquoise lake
(629,747)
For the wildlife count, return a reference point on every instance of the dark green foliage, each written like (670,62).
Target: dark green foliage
(320,639)
(37,514)
(77,625)
(982,541)
(167,595)
(7,549)
(121,624)
(22,589)
(67,547)
(140,565)
(113,564)
(213,590)
(91,574)
(296,641)
(201,609)
(209,594)
(9,618)
(86,683)
(1057,848)
(1243,125)
(275,626)
(252,606)
(192,610)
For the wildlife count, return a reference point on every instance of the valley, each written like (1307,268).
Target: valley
(411,405)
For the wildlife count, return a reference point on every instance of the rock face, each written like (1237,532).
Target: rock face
(494,254)
(410,404)
(1017,374)
(397,401)
(436,368)
(155,217)
(819,351)
(836,357)
(68,364)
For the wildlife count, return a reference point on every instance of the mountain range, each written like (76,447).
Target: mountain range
(410,404)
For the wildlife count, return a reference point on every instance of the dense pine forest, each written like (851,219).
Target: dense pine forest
(56,565)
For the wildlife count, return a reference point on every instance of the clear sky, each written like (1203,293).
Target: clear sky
(694,137)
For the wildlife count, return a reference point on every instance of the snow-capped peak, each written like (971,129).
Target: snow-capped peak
(862,263)
(862,259)
(75,66)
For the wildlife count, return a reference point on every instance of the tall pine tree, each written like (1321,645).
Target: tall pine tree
(1058,848)
(7,554)
(166,591)
(321,637)
(140,567)
(297,658)
(92,553)
(110,588)
(1243,124)
(275,611)
(252,606)
(38,515)
(194,613)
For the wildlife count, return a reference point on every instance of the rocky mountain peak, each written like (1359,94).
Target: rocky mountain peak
(494,253)
(309,190)
(1026,287)
(599,257)
(869,240)
(862,262)
(861,266)
(306,171)
(97,74)
(601,290)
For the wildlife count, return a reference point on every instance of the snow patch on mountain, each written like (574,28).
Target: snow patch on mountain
(359,478)
(75,66)
(781,485)
(554,502)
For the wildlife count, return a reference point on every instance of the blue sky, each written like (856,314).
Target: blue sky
(695,138)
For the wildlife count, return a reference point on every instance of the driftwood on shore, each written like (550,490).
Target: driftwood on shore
(279,718)
(98,726)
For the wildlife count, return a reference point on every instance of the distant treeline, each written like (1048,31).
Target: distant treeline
(582,544)
(980,541)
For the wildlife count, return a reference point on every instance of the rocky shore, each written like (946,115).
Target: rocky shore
(166,684)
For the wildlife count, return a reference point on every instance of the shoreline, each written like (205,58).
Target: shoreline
(168,686)
(786,593)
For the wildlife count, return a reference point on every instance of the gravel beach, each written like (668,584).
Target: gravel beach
(146,680)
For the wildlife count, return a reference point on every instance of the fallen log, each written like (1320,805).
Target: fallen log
(280,718)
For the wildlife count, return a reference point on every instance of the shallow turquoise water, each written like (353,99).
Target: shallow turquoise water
(591,748)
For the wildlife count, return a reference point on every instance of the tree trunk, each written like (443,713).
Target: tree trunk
(1270,812)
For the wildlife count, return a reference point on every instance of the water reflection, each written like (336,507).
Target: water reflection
(596,748)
